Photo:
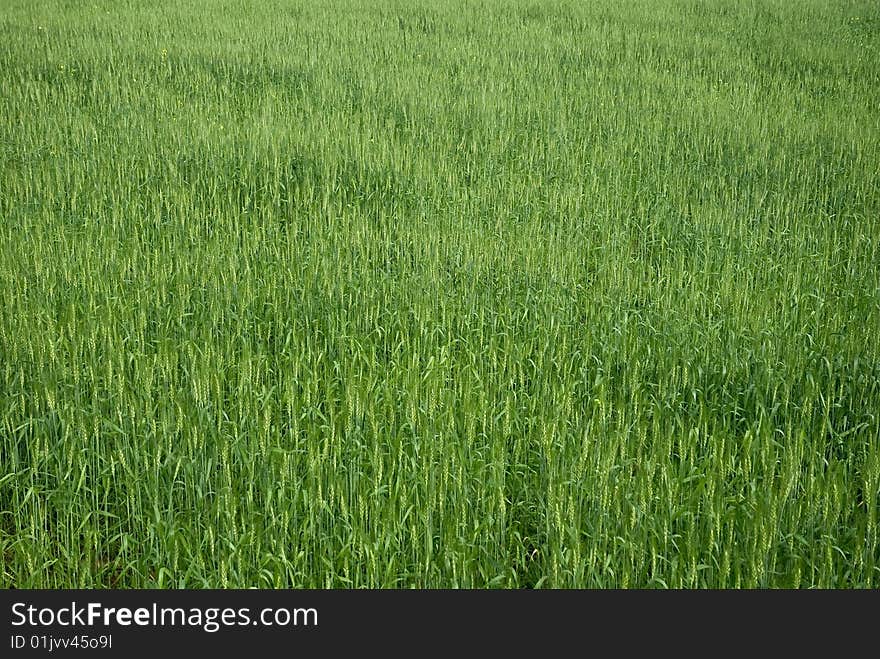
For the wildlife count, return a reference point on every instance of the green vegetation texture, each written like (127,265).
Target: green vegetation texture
(461,294)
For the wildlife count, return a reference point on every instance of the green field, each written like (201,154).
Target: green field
(392,293)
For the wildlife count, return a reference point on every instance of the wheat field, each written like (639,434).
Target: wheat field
(411,294)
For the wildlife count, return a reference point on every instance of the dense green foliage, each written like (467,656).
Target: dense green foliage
(394,293)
